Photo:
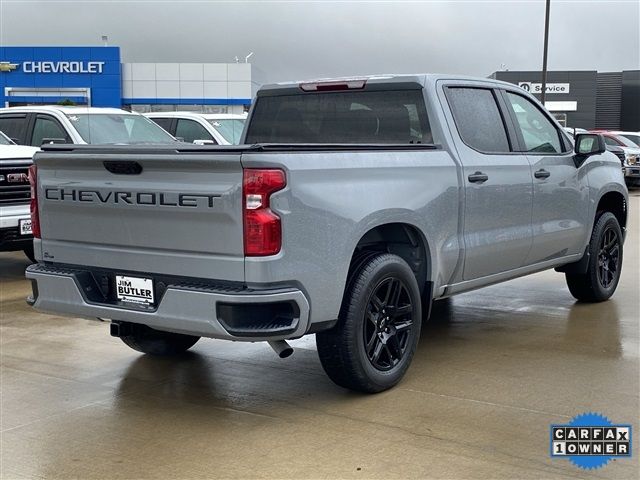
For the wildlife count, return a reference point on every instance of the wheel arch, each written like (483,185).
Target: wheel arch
(403,239)
(616,203)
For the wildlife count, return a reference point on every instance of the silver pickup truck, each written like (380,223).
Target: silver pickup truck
(349,207)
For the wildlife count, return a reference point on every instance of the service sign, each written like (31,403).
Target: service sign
(551,87)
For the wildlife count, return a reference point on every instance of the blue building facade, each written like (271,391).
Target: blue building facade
(83,75)
(95,76)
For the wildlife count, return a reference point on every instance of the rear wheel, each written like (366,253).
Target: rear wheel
(371,347)
(155,342)
(605,262)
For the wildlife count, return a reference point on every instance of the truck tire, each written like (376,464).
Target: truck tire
(155,342)
(372,345)
(28,251)
(605,262)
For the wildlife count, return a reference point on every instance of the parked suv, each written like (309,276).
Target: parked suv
(201,128)
(38,125)
(349,206)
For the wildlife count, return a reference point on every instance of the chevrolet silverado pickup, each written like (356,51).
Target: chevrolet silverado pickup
(349,206)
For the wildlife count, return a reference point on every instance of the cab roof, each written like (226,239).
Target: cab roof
(373,82)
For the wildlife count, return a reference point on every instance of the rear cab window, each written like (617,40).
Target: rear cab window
(345,117)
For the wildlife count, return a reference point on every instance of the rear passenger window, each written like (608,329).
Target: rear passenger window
(190,130)
(13,127)
(47,128)
(538,133)
(478,119)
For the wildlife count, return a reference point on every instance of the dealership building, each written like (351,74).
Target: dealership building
(95,76)
(586,99)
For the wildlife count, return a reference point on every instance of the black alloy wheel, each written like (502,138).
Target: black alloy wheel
(389,322)
(605,252)
(608,257)
(373,343)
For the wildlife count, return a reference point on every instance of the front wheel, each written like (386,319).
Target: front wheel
(155,342)
(371,347)
(605,262)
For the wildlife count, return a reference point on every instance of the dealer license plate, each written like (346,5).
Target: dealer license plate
(25,226)
(134,289)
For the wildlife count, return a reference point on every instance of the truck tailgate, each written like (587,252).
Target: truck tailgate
(163,212)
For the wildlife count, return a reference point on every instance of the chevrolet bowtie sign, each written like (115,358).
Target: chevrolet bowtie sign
(54,67)
(7,66)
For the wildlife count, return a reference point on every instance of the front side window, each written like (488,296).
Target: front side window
(478,119)
(190,130)
(112,128)
(352,117)
(13,126)
(47,129)
(539,133)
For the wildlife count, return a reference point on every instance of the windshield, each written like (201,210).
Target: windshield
(103,128)
(634,139)
(4,140)
(229,128)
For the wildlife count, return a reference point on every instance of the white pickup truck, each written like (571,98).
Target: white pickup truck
(15,220)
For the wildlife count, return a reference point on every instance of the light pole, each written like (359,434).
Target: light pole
(544,55)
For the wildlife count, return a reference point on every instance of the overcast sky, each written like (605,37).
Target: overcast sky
(297,40)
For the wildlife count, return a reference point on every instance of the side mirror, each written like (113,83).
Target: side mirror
(589,144)
(204,142)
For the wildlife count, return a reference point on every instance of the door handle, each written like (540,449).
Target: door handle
(542,173)
(478,177)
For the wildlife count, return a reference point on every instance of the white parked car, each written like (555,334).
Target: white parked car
(201,128)
(37,125)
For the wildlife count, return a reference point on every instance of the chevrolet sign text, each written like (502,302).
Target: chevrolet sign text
(62,67)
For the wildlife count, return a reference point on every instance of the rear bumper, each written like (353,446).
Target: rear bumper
(230,312)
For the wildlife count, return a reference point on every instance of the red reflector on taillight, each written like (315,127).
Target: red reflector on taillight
(262,229)
(35,214)
(333,86)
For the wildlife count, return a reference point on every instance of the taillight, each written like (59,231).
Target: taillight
(262,229)
(35,215)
